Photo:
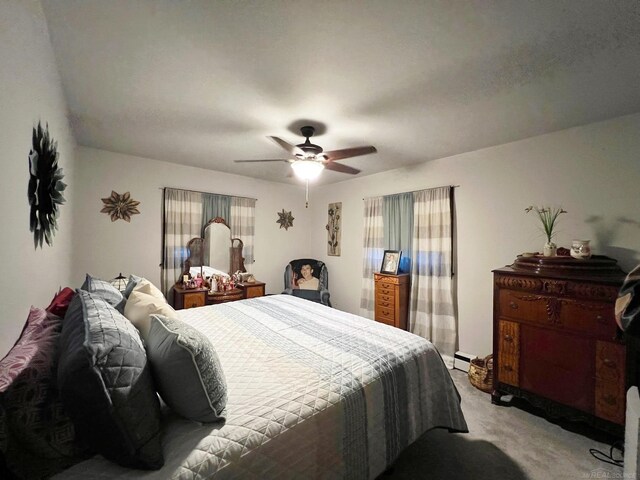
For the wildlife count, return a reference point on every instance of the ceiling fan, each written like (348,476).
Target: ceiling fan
(310,159)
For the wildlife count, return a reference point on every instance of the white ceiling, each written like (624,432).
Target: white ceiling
(202,83)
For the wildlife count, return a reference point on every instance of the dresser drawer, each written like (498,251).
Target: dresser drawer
(509,337)
(385,320)
(383,288)
(593,318)
(254,291)
(610,361)
(192,300)
(224,297)
(385,313)
(387,301)
(523,306)
(508,369)
(610,401)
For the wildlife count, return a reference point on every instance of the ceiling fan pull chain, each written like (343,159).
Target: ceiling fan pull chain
(306,194)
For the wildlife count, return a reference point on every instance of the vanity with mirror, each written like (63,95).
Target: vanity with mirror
(214,271)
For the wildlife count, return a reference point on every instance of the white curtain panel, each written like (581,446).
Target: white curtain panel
(182,222)
(373,251)
(431,310)
(243,224)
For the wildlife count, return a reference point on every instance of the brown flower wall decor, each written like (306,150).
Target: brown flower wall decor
(120,206)
(285,219)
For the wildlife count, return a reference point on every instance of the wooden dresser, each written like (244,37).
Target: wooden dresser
(199,297)
(555,339)
(392,299)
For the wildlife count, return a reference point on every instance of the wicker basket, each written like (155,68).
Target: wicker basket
(481,373)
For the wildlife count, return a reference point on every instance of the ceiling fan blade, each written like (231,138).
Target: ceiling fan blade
(264,160)
(348,153)
(338,167)
(292,149)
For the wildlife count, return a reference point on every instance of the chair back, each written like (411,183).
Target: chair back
(293,273)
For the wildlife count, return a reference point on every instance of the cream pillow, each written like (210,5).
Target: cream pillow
(145,286)
(140,305)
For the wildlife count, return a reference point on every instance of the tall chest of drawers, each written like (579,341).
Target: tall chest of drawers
(392,299)
(555,338)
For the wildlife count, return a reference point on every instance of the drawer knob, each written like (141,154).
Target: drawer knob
(513,305)
(194,304)
(600,319)
(385,304)
(609,363)
(508,368)
(508,338)
(609,399)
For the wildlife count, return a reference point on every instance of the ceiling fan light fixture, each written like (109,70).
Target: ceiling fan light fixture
(307,169)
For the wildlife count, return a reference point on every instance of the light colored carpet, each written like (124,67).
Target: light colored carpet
(504,442)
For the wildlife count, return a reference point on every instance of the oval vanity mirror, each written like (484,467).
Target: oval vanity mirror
(216,253)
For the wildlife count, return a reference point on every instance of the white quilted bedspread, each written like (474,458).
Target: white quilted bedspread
(313,392)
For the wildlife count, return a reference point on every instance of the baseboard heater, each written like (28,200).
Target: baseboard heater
(462,360)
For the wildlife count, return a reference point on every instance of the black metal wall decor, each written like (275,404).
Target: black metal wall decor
(45,186)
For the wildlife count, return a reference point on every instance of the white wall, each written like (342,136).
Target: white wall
(104,248)
(592,171)
(30,90)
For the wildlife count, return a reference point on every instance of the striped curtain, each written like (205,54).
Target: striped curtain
(397,214)
(431,309)
(182,222)
(242,224)
(373,251)
(214,205)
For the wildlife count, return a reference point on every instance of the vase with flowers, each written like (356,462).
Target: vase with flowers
(549,218)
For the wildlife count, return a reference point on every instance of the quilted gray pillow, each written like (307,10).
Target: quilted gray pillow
(186,369)
(132,283)
(106,385)
(104,290)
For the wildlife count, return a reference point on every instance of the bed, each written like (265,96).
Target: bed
(313,392)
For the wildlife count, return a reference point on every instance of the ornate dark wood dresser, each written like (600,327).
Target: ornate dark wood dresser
(555,339)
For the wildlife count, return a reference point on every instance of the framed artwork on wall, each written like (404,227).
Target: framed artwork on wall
(333,229)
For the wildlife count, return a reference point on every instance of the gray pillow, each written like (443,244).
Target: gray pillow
(186,370)
(104,290)
(131,284)
(106,385)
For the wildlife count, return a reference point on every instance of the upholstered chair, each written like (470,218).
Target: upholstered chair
(315,288)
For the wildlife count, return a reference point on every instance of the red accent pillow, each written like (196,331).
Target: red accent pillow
(61,302)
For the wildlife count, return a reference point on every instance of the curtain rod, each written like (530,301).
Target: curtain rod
(209,193)
(412,191)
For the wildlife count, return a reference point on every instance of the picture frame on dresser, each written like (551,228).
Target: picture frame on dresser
(391,261)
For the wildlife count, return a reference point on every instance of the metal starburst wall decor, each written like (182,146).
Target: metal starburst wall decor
(45,190)
(285,219)
(120,206)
